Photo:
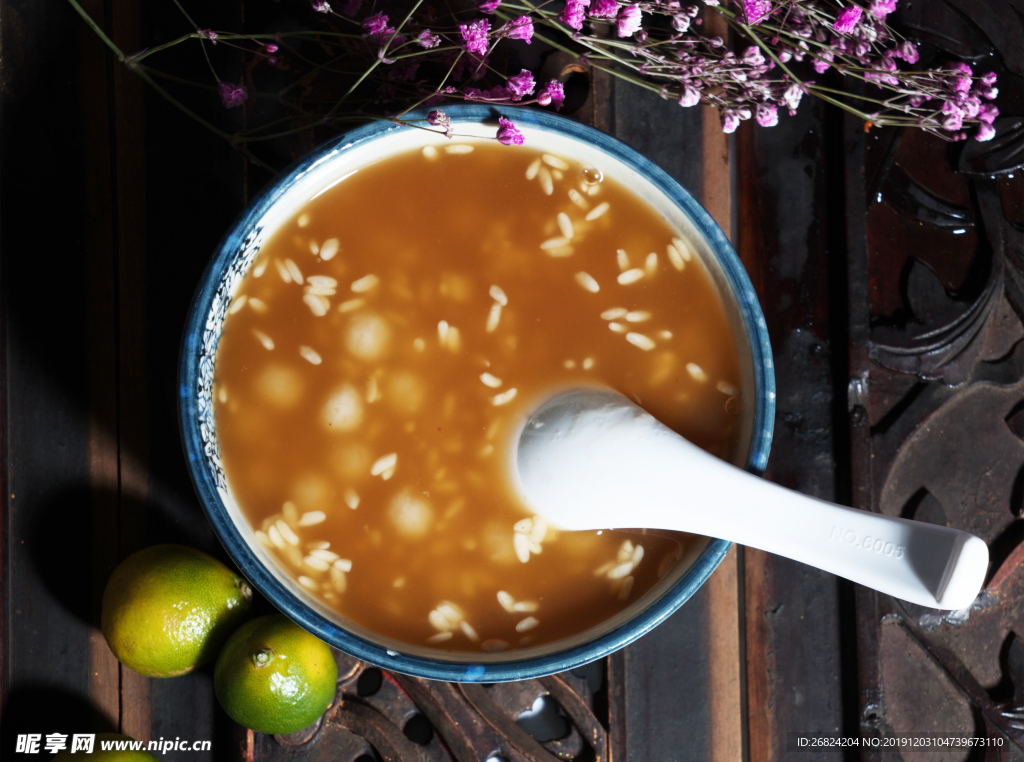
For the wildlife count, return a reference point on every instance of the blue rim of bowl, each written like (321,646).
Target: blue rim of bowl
(438,668)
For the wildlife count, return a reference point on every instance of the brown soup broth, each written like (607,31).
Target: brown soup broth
(388,342)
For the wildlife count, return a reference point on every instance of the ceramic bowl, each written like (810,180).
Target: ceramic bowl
(327,165)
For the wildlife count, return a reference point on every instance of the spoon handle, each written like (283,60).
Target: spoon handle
(635,472)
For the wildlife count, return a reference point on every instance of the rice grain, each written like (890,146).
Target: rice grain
(310,355)
(630,276)
(588,282)
(597,211)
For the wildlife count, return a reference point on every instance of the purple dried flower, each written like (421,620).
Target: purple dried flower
(917,99)
(752,56)
(521,85)
(823,61)
(908,52)
(573,13)
(489,6)
(474,36)
(971,106)
(518,29)
(847,20)
(730,121)
(987,113)
(883,75)
(270,47)
(427,39)
(440,119)
(552,94)
(985,132)
(681,22)
(207,34)
(628,21)
(882,8)
(766,115)
(989,79)
(954,116)
(321,6)
(989,93)
(377,24)
(756,11)
(690,96)
(496,94)
(792,96)
(604,9)
(953,121)
(962,84)
(508,134)
(232,95)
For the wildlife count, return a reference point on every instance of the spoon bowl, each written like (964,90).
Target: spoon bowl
(591,459)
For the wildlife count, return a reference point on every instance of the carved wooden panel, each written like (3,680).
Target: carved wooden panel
(936,395)
(407,719)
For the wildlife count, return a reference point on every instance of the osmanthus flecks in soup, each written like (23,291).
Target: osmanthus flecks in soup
(389,341)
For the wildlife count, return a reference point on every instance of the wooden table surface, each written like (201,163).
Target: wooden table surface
(890,268)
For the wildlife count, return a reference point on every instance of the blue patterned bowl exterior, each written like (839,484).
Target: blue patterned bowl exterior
(236,253)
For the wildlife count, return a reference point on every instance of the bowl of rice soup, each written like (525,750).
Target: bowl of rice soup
(372,333)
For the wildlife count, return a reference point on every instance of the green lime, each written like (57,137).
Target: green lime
(168,609)
(274,677)
(111,755)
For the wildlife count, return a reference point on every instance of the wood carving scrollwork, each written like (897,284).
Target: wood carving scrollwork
(945,396)
(374,711)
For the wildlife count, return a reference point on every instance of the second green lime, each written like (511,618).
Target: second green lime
(274,677)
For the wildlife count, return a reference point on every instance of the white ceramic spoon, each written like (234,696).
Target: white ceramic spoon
(591,459)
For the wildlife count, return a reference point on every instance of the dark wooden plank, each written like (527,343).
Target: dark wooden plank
(45,207)
(793,638)
(681,696)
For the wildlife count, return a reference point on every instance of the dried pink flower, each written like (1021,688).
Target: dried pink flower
(440,119)
(604,9)
(521,85)
(321,6)
(882,8)
(756,11)
(489,6)
(985,132)
(908,51)
(628,21)
(573,13)
(753,56)
(427,39)
(730,121)
(474,36)
(766,115)
(207,34)
(847,20)
(552,94)
(987,113)
(518,29)
(232,95)
(377,24)
(792,96)
(497,94)
(690,96)
(962,84)
(824,60)
(508,134)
